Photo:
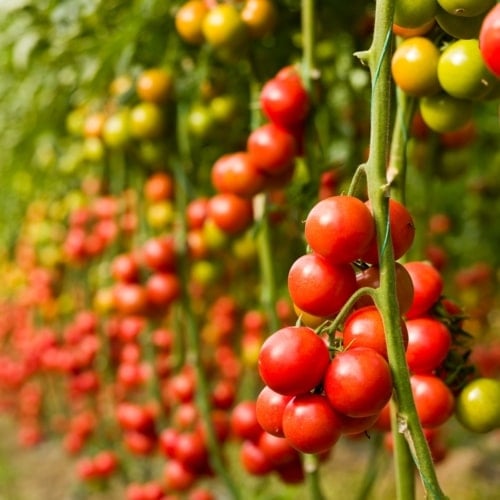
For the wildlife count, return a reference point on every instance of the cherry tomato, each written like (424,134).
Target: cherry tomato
(293,360)
(443,112)
(269,407)
(414,13)
(414,66)
(364,328)
(159,186)
(462,72)
(433,399)
(278,450)
(244,424)
(271,148)
(402,232)
(260,17)
(223,26)
(489,40)
(154,85)
(429,341)
(459,27)
(466,8)
(427,287)
(411,32)
(230,213)
(254,460)
(284,99)
(318,287)
(478,405)
(189,21)
(115,131)
(339,228)
(146,121)
(358,382)
(310,424)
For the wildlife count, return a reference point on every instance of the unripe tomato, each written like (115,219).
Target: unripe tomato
(458,26)
(115,131)
(223,26)
(466,8)
(478,405)
(200,121)
(260,17)
(462,72)
(414,66)
(414,13)
(443,112)
(146,121)
(489,40)
(154,85)
(189,21)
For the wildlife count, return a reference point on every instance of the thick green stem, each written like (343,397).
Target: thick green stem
(379,58)
(308,42)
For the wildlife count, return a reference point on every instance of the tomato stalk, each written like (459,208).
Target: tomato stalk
(378,58)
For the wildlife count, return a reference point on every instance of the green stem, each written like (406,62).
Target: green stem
(308,42)
(379,59)
(311,467)
(372,467)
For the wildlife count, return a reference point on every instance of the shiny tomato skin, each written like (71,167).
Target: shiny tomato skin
(427,287)
(358,382)
(189,21)
(254,460)
(244,424)
(278,450)
(310,424)
(269,408)
(339,228)
(293,360)
(429,342)
(489,40)
(433,399)
(231,213)
(154,85)
(318,287)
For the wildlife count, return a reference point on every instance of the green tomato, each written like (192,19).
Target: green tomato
(146,121)
(458,26)
(466,8)
(116,131)
(414,13)
(444,113)
(478,405)
(462,72)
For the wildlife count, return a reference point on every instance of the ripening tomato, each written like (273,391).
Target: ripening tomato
(318,287)
(414,66)
(402,232)
(427,287)
(442,112)
(429,341)
(466,8)
(310,424)
(293,360)
(223,26)
(358,382)
(271,148)
(489,40)
(260,17)
(433,399)
(269,408)
(284,99)
(159,186)
(231,213)
(414,13)
(189,21)
(154,85)
(339,228)
(364,328)
(146,121)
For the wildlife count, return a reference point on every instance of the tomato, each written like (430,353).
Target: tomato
(462,72)
(115,131)
(191,450)
(159,253)
(459,138)
(489,40)
(402,232)
(244,423)
(189,21)
(478,405)
(223,26)
(200,121)
(434,400)
(130,298)
(237,173)
(339,228)
(293,360)
(358,382)
(196,212)
(254,460)
(278,450)
(269,407)
(271,148)
(318,287)
(466,8)
(427,287)
(429,341)
(125,268)
(411,32)
(260,17)
(93,124)
(443,112)
(459,27)
(177,476)
(414,13)
(162,289)
(364,328)
(352,426)
(310,424)
(230,213)
(154,85)
(414,66)
(284,99)
(404,286)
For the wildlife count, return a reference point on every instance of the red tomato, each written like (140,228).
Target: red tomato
(159,253)
(244,424)
(130,298)
(159,186)
(402,232)
(489,40)
(284,100)
(293,360)
(162,289)
(269,408)
(358,382)
(339,228)
(125,268)
(254,460)
(318,287)
(364,328)
(427,287)
(310,423)
(433,399)
(429,341)
(230,213)
(271,148)
(178,477)
(278,450)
